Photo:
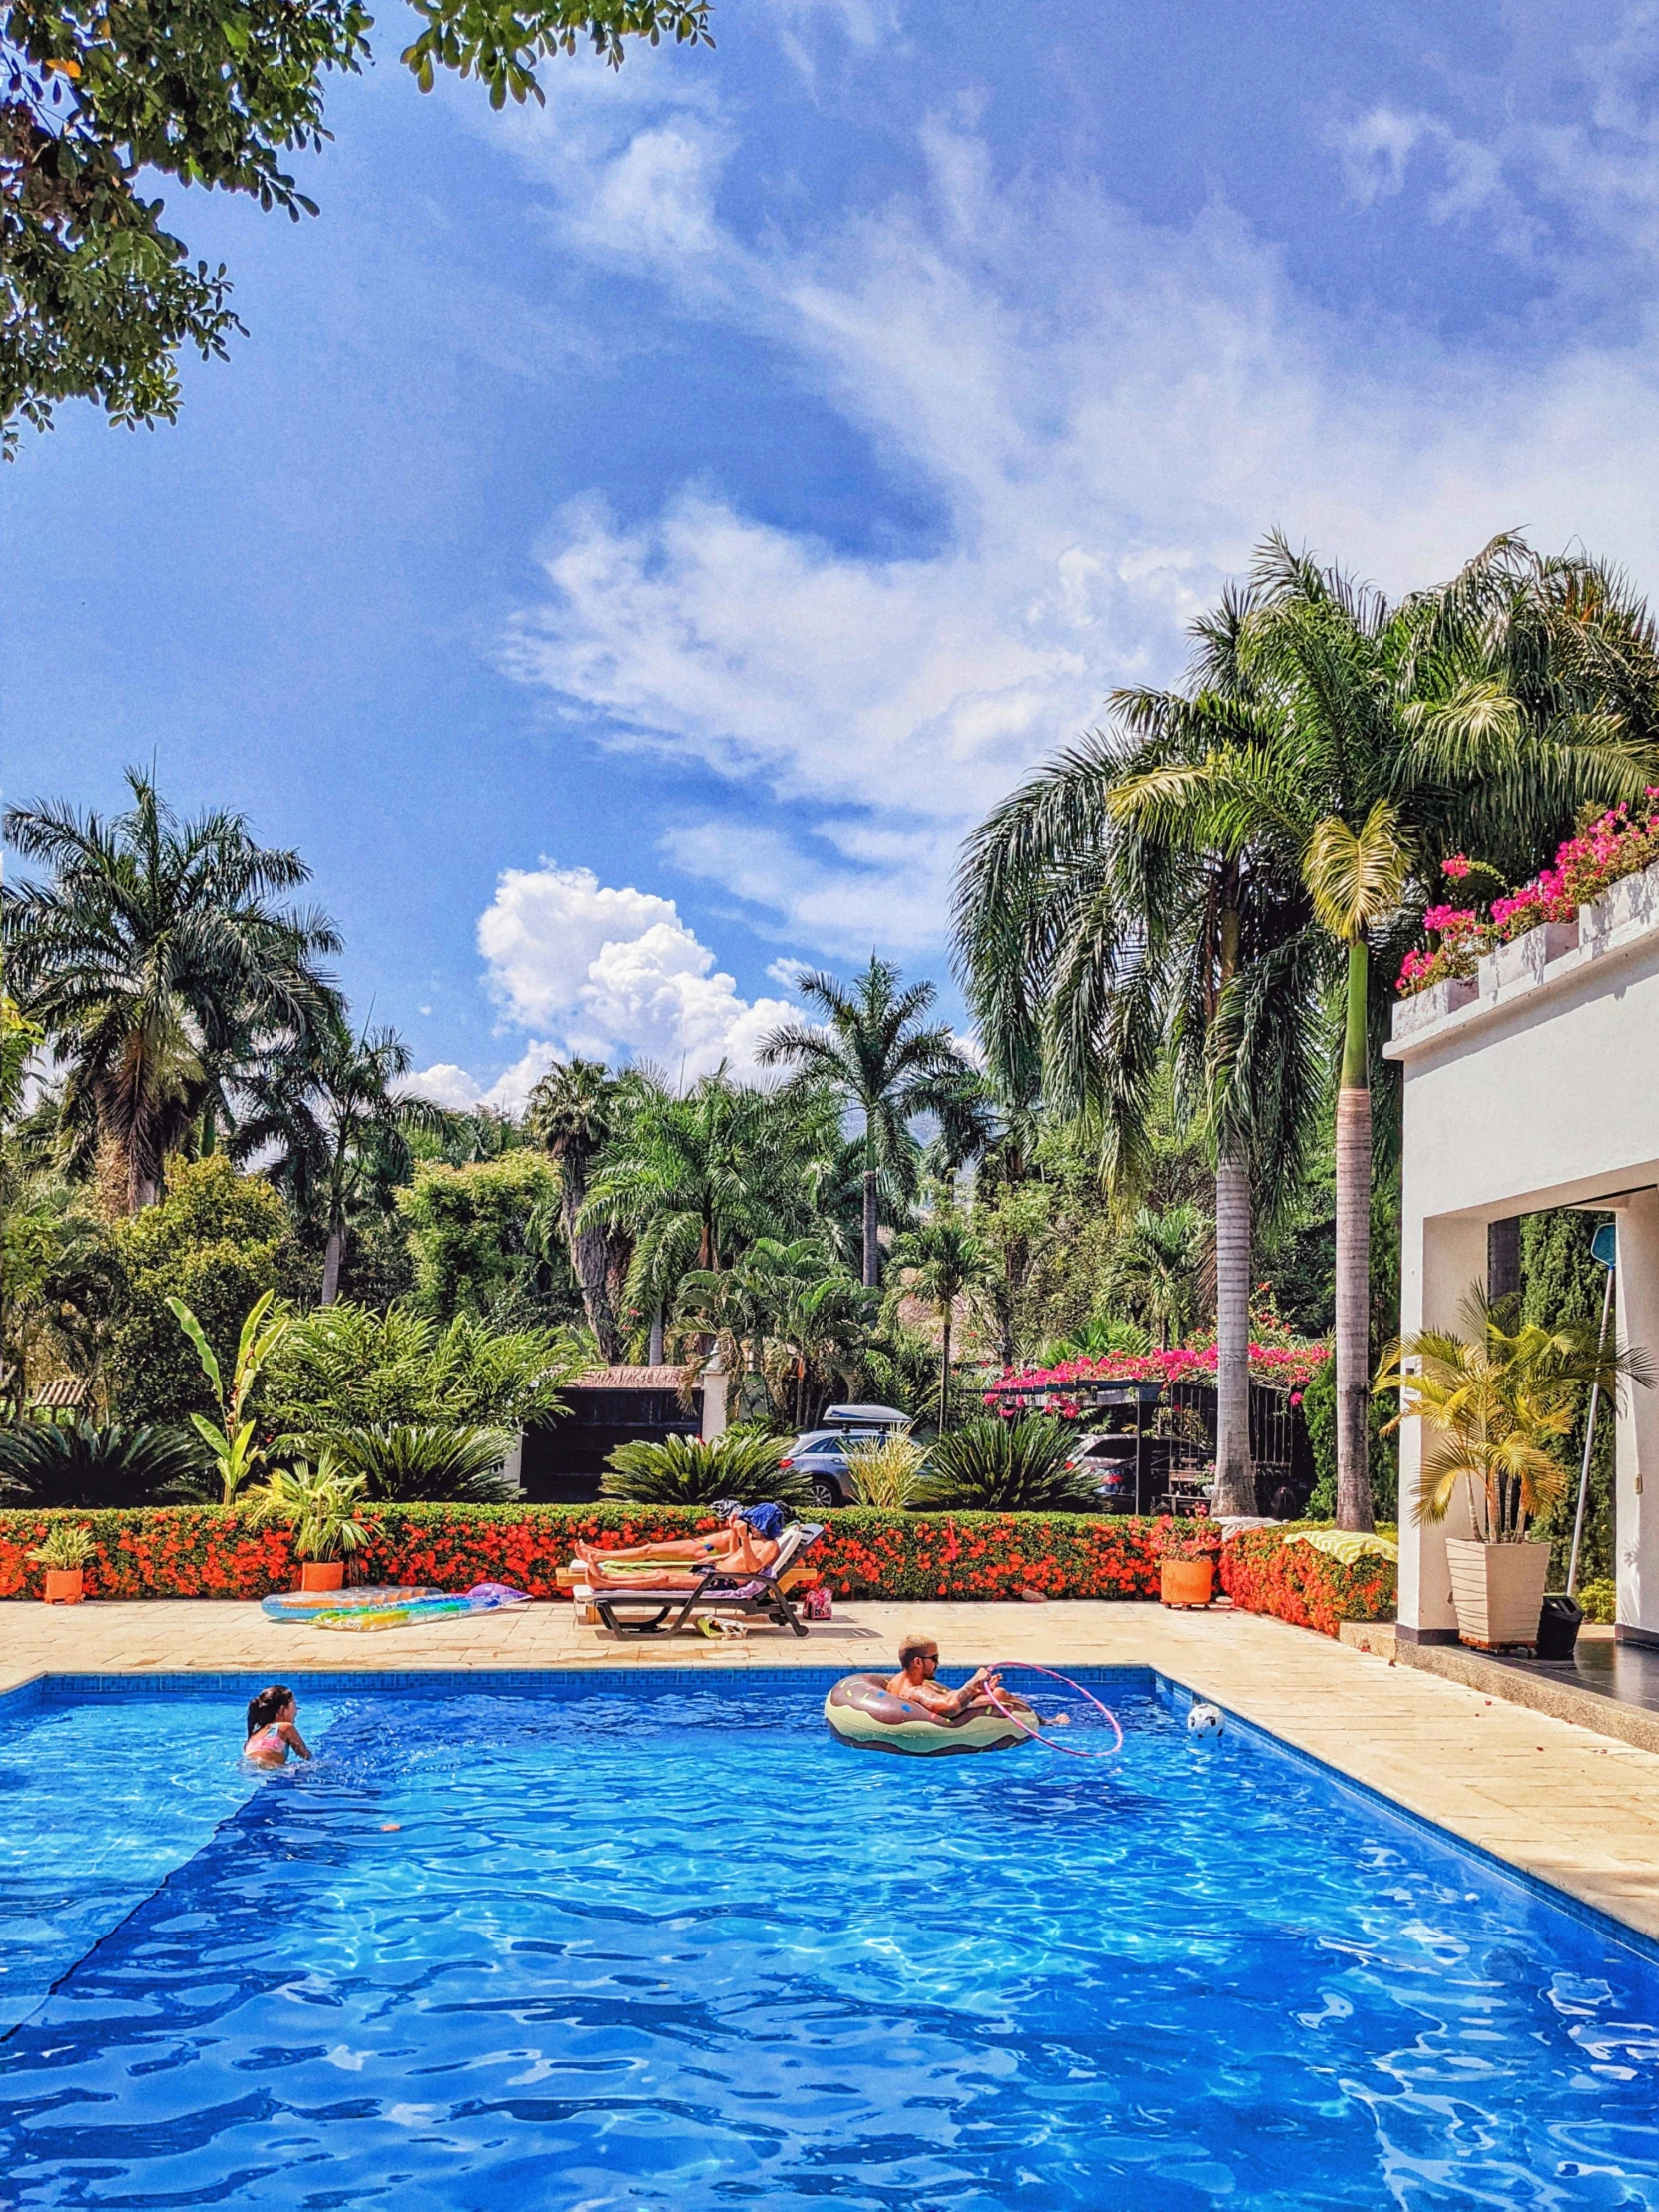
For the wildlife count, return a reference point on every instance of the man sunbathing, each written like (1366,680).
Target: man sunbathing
(746,1543)
(915,1683)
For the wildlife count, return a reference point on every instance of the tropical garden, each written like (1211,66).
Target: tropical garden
(243,1263)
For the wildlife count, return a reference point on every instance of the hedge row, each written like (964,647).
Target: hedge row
(1262,1573)
(205,1552)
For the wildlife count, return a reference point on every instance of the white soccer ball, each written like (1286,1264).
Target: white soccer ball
(1203,1720)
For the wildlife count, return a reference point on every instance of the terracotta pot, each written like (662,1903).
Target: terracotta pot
(322,1574)
(1186,1581)
(1498,1590)
(62,1586)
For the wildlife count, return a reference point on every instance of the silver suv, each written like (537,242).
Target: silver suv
(820,1454)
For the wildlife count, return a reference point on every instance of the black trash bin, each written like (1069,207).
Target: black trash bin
(1558,1627)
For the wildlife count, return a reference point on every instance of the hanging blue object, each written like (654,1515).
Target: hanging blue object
(1604,1245)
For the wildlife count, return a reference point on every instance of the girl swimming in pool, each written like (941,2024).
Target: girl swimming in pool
(271,1734)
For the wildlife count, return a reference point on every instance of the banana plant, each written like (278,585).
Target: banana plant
(235,1453)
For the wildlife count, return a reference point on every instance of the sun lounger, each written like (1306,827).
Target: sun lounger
(761,1594)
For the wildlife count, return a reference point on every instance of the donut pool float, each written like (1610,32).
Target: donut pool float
(861,1710)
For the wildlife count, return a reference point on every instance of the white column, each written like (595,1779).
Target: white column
(1441,1262)
(714,1380)
(1636,1516)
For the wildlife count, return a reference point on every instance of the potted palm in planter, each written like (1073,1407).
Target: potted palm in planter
(318,1501)
(1496,1406)
(64,1555)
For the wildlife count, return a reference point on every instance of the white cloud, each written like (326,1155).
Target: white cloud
(602,975)
(1109,411)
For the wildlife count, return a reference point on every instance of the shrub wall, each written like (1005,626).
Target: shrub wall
(1262,1573)
(204,1551)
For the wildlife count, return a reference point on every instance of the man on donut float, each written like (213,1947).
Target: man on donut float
(916,1682)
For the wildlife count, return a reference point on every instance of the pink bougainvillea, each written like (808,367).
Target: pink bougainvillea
(1286,1366)
(1604,850)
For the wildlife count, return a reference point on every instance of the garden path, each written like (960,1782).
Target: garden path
(1562,1803)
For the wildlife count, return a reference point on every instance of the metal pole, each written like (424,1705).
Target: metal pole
(1589,1441)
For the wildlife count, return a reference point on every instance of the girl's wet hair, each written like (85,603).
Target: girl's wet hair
(264,1708)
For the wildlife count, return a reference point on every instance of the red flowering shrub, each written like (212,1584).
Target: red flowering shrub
(205,1552)
(1262,1573)
(1284,1365)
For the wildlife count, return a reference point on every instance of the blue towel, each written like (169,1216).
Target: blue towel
(767,1520)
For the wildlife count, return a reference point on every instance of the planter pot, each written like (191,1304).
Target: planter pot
(1498,1590)
(63,1585)
(329,1574)
(1189,1581)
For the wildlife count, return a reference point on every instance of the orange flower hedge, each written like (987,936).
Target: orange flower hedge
(205,1552)
(1262,1573)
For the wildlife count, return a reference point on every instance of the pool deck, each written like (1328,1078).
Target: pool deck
(1566,1803)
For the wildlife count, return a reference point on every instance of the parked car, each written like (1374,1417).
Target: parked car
(1111,1461)
(821,1453)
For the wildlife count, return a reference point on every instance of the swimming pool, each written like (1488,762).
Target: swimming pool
(638,1943)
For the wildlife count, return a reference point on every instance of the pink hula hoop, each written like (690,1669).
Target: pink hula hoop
(1070,1750)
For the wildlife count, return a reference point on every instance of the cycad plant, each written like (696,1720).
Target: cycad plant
(1003,1466)
(408,1464)
(99,1464)
(684,1471)
(1496,1405)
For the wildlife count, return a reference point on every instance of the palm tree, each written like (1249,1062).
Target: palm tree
(693,1181)
(1106,954)
(877,1056)
(575,1111)
(941,1262)
(339,1128)
(151,953)
(1380,739)
(1157,1266)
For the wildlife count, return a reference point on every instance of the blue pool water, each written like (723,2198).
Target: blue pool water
(655,1947)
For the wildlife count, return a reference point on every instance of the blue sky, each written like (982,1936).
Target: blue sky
(638,538)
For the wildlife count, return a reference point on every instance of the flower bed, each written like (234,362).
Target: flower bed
(204,1551)
(1605,850)
(1282,1366)
(1262,1573)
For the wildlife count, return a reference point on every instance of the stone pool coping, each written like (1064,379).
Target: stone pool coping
(1567,1806)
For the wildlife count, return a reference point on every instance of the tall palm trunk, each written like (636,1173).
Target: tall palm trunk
(334,1253)
(1235,1490)
(590,1254)
(1353,1507)
(654,1353)
(872,1247)
(944,1371)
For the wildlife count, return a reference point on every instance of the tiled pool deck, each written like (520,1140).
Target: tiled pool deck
(1565,1804)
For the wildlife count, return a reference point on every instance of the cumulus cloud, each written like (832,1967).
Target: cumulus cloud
(1110,411)
(603,974)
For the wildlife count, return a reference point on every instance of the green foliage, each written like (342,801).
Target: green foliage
(344,1366)
(66,1549)
(1011,1466)
(409,1464)
(1560,1277)
(484,1240)
(230,1438)
(217,1243)
(318,1500)
(98,1464)
(98,298)
(1600,1600)
(888,1473)
(684,1471)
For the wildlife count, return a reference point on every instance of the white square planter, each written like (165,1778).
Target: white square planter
(1424,1009)
(1524,959)
(1498,1589)
(1625,908)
